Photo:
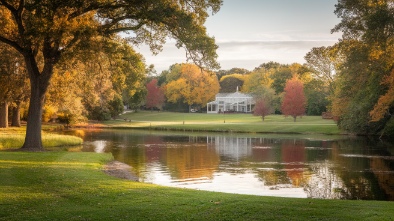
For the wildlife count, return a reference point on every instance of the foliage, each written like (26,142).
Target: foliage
(262,108)
(366,49)
(116,106)
(155,96)
(324,63)
(230,83)
(317,95)
(44,32)
(257,81)
(280,77)
(222,73)
(194,86)
(294,99)
(14,84)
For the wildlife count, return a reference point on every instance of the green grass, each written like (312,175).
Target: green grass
(227,123)
(14,137)
(71,186)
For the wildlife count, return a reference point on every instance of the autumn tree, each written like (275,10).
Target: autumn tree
(362,84)
(294,99)
(13,85)
(51,29)
(194,86)
(155,95)
(264,104)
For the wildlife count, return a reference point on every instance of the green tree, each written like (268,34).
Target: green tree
(54,28)
(230,83)
(223,73)
(324,63)
(367,51)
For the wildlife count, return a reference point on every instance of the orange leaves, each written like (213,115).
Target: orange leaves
(155,95)
(385,101)
(294,100)
(194,86)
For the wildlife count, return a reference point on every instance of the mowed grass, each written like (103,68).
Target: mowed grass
(14,137)
(60,185)
(225,122)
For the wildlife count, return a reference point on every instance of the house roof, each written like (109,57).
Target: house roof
(233,95)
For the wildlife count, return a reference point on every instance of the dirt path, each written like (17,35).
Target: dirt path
(120,170)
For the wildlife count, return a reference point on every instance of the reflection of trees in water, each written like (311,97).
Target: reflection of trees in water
(324,183)
(195,161)
(273,177)
(384,175)
(293,157)
(344,169)
(363,169)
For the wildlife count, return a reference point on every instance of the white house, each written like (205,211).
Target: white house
(231,102)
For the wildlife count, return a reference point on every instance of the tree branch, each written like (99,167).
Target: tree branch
(11,43)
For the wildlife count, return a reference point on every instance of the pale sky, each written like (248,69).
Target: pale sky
(252,32)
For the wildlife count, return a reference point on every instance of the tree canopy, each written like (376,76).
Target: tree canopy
(363,86)
(45,31)
(294,99)
(194,86)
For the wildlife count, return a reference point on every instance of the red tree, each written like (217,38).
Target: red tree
(155,95)
(262,108)
(294,100)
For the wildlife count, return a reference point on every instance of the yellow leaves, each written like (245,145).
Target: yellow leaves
(7,24)
(385,101)
(194,85)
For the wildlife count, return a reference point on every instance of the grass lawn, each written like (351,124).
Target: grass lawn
(14,137)
(225,122)
(60,185)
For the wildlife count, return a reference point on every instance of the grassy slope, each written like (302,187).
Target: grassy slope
(228,122)
(71,186)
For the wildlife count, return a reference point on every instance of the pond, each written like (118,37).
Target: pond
(327,167)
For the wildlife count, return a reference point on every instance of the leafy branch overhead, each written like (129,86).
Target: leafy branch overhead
(63,24)
(44,31)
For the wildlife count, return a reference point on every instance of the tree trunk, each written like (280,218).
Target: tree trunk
(33,130)
(39,83)
(16,116)
(4,115)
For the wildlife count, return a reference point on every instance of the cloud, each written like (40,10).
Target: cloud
(250,54)
(241,54)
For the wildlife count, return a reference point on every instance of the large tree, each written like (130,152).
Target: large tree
(367,49)
(194,86)
(49,29)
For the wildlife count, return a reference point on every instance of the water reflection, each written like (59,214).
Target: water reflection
(340,168)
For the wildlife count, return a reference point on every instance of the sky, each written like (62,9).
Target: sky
(252,32)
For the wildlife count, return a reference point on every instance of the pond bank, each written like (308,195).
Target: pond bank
(73,185)
(120,170)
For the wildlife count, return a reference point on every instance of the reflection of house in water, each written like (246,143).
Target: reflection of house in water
(232,147)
